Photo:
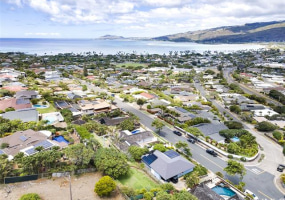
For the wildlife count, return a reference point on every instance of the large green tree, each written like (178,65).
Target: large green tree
(105,186)
(111,162)
(235,167)
(266,126)
(157,124)
(184,195)
(137,152)
(79,154)
(140,102)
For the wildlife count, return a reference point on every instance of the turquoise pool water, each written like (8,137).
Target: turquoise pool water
(51,119)
(223,191)
(235,139)
(39,106)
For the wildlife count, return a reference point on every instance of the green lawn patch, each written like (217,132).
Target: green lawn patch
(132,64)
(51,108)
(137,180)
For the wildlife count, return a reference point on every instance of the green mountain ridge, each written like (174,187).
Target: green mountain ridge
(253,32)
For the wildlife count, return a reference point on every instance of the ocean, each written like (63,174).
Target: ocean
(55,46)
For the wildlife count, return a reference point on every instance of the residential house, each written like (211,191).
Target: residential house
(184,115)
(26,142)
(145,95)
(138,137)
(17,104)
(27,94)
(25,115)
(159,102)
(212,130)
(251,107)
(73,96)
(168,165)
(264,112)
(52,76)
(112,121)
(95,107)
(203,192)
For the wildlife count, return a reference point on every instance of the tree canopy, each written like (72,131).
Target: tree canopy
(157,124)
(111,162)
(105,186)
(235,167)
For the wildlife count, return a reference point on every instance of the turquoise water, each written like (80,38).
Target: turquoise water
(39,106)
(55,46)
(235,139)
(51,119)
(60,139)
(223,191)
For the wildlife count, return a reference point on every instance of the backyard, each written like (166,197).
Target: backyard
(137,180)
(51,108)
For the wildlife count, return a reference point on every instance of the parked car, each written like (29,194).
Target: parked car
(280,168)
(212,152)
(251,194)
(191,140)
(177,133)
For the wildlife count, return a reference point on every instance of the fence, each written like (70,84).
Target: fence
(33,177)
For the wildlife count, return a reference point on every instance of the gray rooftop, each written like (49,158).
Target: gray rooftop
(168,167)
(209,129)
(25,115)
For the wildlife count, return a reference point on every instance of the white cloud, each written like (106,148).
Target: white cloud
(165,16)
(45,34)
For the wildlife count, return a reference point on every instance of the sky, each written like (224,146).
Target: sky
(128,18)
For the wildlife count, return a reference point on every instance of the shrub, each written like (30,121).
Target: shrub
(220,174)
(148,195)
(266,126)
(233,125)
(230,156)
(243,159)
(30,196)
(105,186)
(159,147)
(277,135)
(128,191)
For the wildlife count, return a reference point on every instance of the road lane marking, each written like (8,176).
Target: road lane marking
(265,195)
(211,161)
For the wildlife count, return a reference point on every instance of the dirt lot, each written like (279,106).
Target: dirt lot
(57,189)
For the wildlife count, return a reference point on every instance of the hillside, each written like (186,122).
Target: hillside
(254,32)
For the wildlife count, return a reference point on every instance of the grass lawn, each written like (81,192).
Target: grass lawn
(132,64)
(51,108)
(137,180)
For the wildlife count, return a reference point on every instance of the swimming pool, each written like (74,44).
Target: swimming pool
(51,119)
(135,131)
(40,106)
(223,191)
(60,138)
(235,139)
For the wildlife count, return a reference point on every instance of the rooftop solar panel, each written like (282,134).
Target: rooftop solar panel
(149,159)
(181,110)
(45,144)
(23,138)
(171,154)
(31,151)
(22,101)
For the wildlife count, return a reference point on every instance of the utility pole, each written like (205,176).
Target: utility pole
(70,187)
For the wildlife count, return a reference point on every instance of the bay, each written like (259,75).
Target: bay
(55,46)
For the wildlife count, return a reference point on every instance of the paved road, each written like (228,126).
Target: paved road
(227,75)
(252,179)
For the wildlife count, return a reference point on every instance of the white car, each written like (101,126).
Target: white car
(251,193)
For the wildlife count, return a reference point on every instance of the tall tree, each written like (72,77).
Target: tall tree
(111,162)
(79,154)
(140,102)
(235,167)
(85,72)
(157,124)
